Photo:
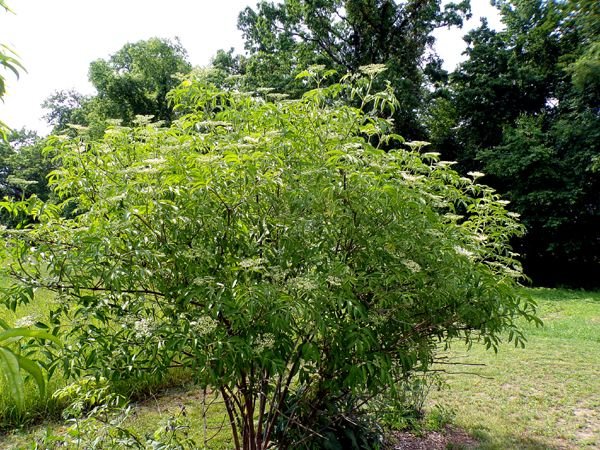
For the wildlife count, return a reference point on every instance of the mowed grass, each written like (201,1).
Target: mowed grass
(204,423)
(546,396)
(203,412)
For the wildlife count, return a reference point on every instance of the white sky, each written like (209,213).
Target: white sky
(57,40)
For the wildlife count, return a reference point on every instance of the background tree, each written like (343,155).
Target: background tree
(284,38)
(526,107)
(23,171)
(133,81)
(136,79)
(23,168)
(67,107)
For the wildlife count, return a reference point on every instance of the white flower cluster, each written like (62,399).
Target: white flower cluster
(507,270)
(204,281)
(463,251)
(251,263)
(453,217)
(25,321)
(372,69)
(265,342)
(417,145)
(334,281)
(143,328)
(303,284)
(410,177)
(204,325)
(142,169)
(411,265)
(251,140)
(446,163)
(213,123)
(277,96)
(154,161)
(207,158)
(116,198)
(278,274)
(476,174)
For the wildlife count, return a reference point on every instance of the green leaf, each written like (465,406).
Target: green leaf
(9,364)
(26,332)
(4,324)
(303,74)
(35,371)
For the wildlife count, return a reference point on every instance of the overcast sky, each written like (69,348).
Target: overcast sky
(57,40)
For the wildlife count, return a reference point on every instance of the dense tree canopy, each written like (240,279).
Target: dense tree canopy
(133,81)
(284,38)
(23,168)
(67,107)
(136,79)
(526,108)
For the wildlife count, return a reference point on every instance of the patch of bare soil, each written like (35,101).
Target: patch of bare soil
(589,430)
(169,398)
(449,437)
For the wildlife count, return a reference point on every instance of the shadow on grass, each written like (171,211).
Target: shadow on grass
(488,441)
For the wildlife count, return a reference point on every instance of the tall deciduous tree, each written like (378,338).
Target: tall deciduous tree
(133,81)
(67,107)
(23,168)
(286,37)
(136,79)
(527,102)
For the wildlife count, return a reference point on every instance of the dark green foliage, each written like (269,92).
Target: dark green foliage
(284,38)
(336,423)
(65,108)
(23,170)
(23,167)
(133,81)
(526,109)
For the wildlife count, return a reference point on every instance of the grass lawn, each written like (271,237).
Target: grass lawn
(181,407)
(546,396)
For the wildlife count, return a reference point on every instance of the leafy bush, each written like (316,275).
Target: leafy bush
(272,248)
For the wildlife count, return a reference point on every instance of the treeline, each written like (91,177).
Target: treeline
(523,109)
